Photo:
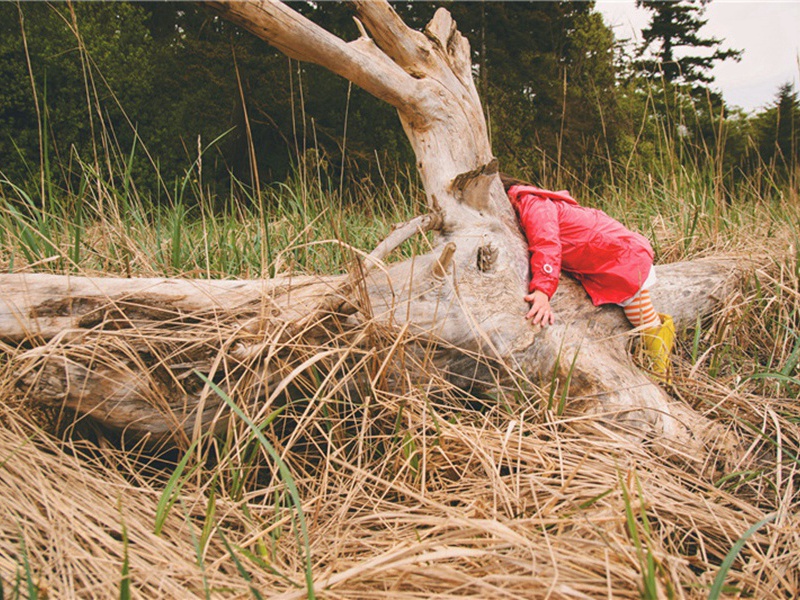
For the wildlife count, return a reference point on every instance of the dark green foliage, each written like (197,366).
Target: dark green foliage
(72,95)
(165,73)
(146,89)
(545,72)
(778,130)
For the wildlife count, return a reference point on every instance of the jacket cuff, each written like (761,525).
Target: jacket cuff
(548,286)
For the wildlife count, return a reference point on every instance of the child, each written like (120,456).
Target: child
(613,264)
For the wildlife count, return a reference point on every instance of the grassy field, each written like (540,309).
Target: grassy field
(356,487)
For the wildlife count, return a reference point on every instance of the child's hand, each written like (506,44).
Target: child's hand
(540,311)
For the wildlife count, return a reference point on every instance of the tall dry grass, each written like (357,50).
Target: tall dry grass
(360,484)
(409,491)
(415,494)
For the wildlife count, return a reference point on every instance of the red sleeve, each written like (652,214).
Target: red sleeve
(539,220)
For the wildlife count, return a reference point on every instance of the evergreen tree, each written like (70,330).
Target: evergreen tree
(688,116)
(675,25)
(778,130)
(547,78)
(788,124)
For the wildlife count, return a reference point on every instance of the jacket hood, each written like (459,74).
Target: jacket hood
(517,192)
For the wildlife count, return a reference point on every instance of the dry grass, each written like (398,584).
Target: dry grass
(407,490)
(413,491)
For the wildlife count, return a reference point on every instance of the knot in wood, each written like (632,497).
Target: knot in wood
(487,256)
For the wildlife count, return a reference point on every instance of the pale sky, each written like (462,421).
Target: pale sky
(767,30)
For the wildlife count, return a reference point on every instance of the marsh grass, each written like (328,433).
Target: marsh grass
(298,227)
(362,484)
(407,491)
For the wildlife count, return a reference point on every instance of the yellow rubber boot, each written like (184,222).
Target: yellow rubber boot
(658,343)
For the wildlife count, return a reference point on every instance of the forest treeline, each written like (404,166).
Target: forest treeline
(162,88)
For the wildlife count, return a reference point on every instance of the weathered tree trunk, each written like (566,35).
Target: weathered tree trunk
(125,351)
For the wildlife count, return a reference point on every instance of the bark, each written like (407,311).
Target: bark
(126,351)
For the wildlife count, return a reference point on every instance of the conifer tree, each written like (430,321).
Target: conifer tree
(674,25)
(778,130)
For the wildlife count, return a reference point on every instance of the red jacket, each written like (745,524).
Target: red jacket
(610,261)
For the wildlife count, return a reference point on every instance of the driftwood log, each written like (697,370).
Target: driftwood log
(126,351)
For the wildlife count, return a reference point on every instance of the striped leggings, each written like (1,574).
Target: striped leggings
(641,312)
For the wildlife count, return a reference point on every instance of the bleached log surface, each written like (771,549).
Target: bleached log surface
(92,339)
(125,351)
(42,306)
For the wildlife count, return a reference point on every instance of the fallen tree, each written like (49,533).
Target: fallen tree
(127,352)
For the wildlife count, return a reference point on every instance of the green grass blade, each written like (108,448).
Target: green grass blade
(33,590)
(47,191)
(125,583)
(554,378)
(286,476)
(588,503)
(562,403)
(177,237)
(77,226)
(172,490)
(127,179)
(209,523)
(14,453)
(719,580)
(777,376)
(793,359)
(198,548)
(240,567)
